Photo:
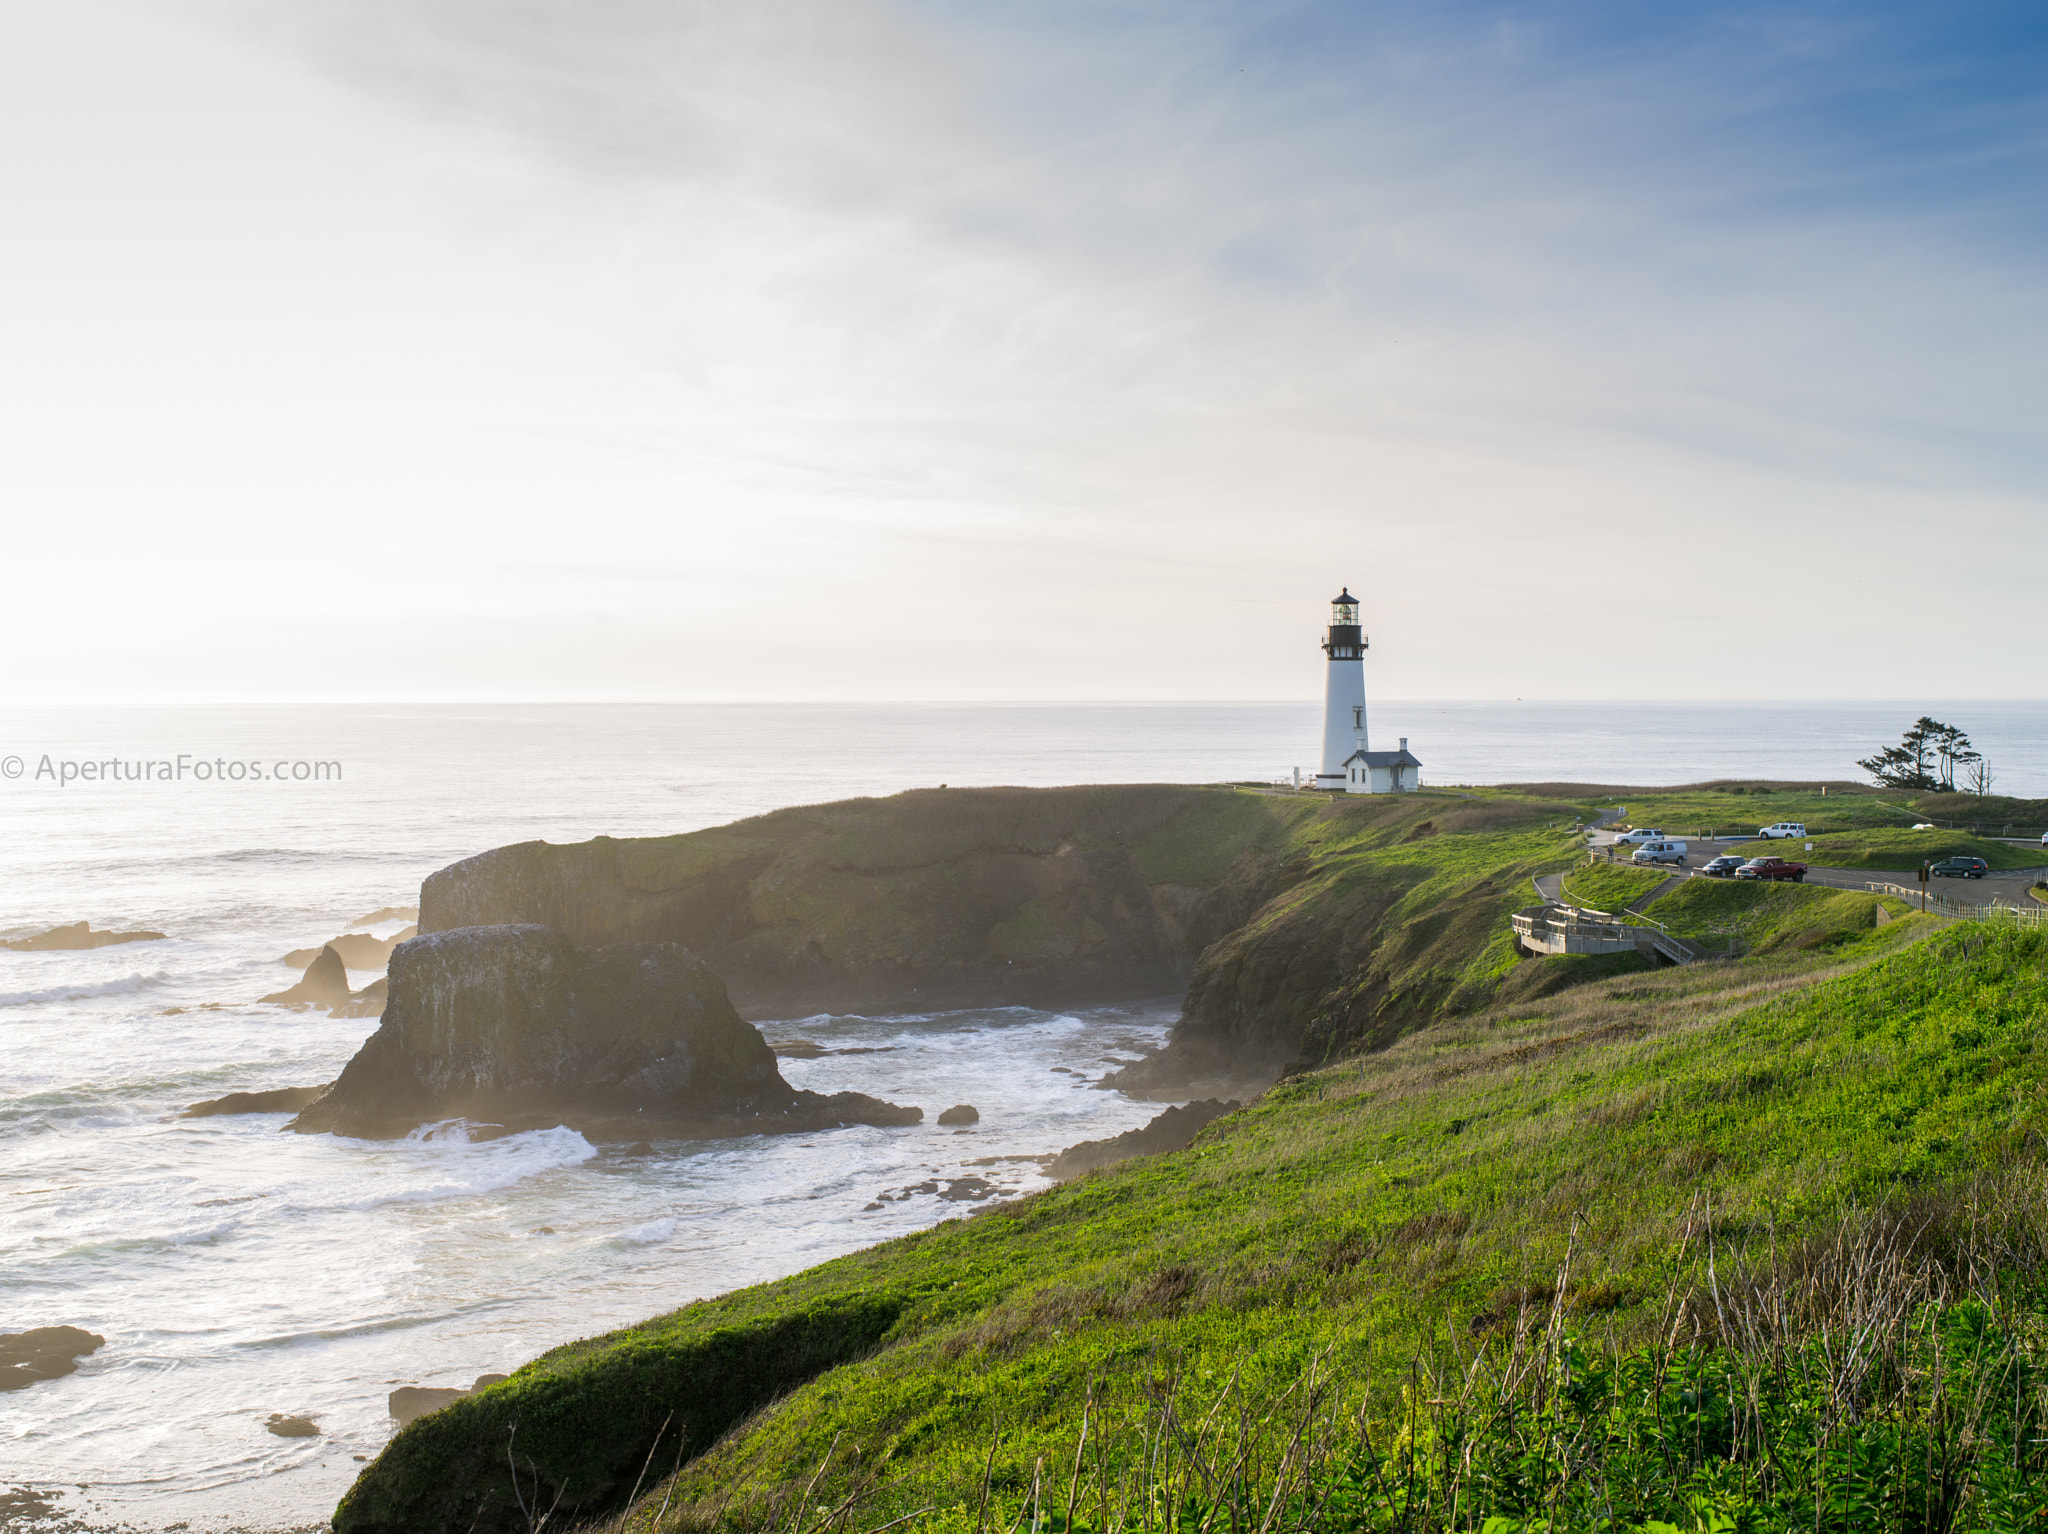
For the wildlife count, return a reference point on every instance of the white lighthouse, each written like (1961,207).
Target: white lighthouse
(1343,691)
(1348,763)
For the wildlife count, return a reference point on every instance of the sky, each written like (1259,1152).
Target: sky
(856,349)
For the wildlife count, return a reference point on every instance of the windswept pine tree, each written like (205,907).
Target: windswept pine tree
(1926,759)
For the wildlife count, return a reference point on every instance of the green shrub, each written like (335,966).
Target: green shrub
(567,1433)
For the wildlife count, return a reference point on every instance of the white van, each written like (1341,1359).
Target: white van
(1660,852)
(1782,830)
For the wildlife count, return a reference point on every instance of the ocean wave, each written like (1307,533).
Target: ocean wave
(653,1233)
(78,992)
(466,1170)
(203,1234)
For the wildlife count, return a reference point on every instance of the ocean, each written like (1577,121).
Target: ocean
(238,1273)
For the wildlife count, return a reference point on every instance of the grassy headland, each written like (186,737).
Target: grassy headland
(1903,851)
(1738,810)
(1506,1207)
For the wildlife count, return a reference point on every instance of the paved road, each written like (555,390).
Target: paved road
(2006,886)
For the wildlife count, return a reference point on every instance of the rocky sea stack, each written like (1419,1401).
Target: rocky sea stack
(517,1026)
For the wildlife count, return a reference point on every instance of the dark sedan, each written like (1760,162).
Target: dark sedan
(1960,868)
(1723,867)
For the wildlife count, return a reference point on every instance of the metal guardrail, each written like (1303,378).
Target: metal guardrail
(1962,910)
(1605,927)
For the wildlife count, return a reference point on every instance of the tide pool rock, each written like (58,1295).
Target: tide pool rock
(408,1403)
(516,1025)
(961,1113)
(43,1353)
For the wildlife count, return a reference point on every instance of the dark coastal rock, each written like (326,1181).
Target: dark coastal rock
(292,1427)
(961,1113)
(358,950)
(43,1353)
(325,984)
(518,1026)
(78,934)
(1172,1130)
(276,1100)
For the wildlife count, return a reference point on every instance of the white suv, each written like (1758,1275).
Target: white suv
(1639,838)
(1783,830)
(1660,852)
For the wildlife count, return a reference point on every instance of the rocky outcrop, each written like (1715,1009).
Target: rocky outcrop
(358,950)
(43,1353)
(287,1426)
(408,1403)
(1173,1130)
(516,1025)
(961,1113)
(78,934)
(961,897)
(276,1100)
(325,985)
(368,1002)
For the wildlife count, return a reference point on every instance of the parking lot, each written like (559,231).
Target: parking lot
(2005,886)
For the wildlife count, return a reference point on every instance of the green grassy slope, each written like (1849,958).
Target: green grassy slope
(1352,1214)
(1610,886)
(1357,1211)
(1990,813)
(1901,851)
(1691,812)
(1767,917)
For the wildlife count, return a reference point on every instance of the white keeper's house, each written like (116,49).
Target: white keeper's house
(1348,763)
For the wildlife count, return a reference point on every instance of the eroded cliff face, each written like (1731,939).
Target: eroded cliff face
(938,898)
(1349,957)
(515,1024)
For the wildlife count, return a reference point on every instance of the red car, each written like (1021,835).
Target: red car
(1772,868)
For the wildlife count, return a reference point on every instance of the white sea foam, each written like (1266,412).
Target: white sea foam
(83,991)
(430,1171)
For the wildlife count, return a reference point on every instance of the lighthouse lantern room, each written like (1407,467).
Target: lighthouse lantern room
(1347,763)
